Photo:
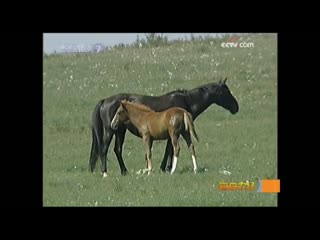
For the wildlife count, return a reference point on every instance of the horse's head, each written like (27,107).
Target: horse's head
(121,116)
(224,98)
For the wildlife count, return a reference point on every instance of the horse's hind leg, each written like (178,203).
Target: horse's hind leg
(94,152)
(120,134)
(104,151)
(176,150)
(187,138)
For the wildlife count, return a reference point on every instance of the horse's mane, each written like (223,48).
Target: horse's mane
(139,106)
(207,86)
(180,90)
(204,87)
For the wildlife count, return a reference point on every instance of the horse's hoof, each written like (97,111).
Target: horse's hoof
(104,175)
(123,173)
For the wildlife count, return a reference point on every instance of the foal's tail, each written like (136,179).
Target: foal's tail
(188,123)
(97,136)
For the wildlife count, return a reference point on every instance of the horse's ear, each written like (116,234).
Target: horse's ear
(224,81)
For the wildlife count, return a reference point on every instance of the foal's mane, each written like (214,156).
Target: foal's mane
(139,106)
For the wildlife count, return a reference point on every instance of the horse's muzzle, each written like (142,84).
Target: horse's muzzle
(235,109)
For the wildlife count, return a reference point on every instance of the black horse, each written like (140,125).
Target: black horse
(194,101)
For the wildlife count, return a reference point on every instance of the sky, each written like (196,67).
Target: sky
(59,41)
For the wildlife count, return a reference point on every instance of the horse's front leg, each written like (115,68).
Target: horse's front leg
(166,163)
(148,145)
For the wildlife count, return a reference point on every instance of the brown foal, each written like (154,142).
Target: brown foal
(158,126)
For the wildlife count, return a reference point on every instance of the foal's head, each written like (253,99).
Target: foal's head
(121,115)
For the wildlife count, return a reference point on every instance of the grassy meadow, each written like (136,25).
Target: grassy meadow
(244,144)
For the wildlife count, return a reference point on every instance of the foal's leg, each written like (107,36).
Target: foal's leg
(104,150)
(187,137)
(176,150)
(148,145)
(146,160)
(120,134)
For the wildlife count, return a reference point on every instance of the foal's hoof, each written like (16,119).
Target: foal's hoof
(125,172)
(104,175)
(145,170)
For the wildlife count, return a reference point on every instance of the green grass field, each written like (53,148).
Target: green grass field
(244,144)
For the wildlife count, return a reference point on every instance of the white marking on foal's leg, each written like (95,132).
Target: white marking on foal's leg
(194,164)
(174,164)
(105,174)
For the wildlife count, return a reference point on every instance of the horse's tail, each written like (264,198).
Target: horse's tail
(97,136)
(189,126)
